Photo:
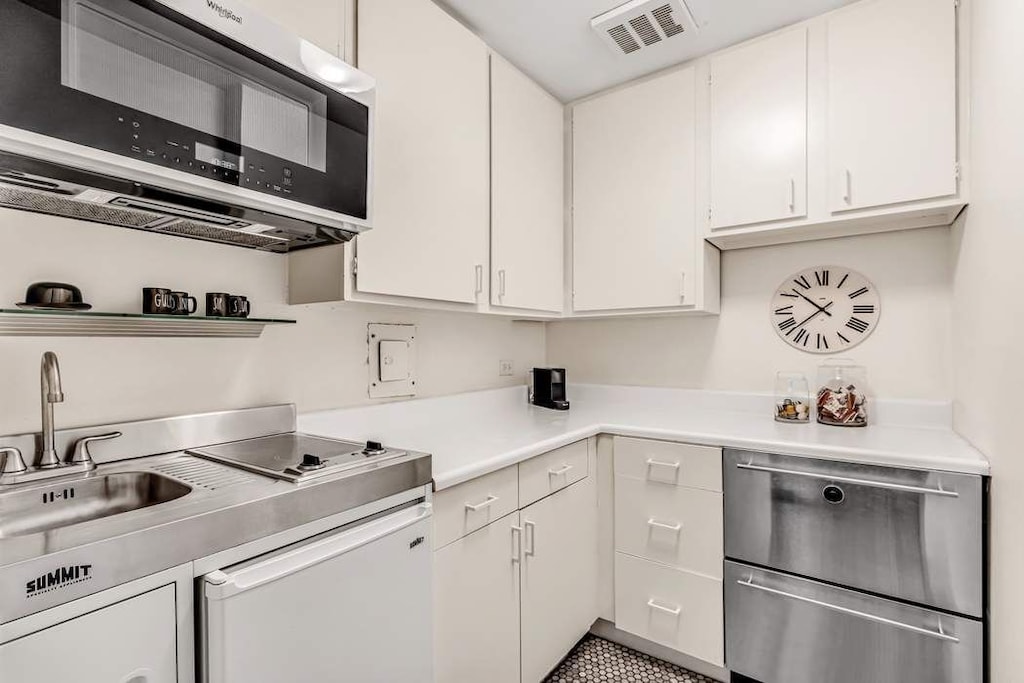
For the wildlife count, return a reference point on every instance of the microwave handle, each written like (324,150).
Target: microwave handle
(220,585)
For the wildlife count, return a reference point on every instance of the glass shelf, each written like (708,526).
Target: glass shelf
(28,322)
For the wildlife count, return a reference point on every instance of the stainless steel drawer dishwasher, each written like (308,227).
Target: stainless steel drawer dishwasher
(845,573)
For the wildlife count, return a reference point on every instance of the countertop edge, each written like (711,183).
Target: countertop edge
(486,466)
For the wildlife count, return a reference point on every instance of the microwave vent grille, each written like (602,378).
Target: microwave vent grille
(57,205)
(212,233)
(640,24)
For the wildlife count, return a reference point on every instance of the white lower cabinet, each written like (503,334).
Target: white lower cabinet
(133,641)
(559,576)
(678,609)
(512,598)
(476,612)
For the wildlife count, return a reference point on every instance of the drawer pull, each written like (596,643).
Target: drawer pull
(674,611)
(749,583)
(530,531)
(662,525)
(560,471)
(480,506)
(517,543)
(651,462)
(904,488)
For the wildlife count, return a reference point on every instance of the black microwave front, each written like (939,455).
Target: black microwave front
(199,98)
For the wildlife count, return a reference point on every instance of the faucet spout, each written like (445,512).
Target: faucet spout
(51,392)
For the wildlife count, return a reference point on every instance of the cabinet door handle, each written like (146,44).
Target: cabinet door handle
(479,280)
(501,283)
(792,195)
(682,285)
(480,506)
(530,532)
(674,611)
(847,186)
(560,471)
(517,543)
(872,483)
(664,525)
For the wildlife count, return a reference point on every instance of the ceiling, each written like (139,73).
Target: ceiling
(551,40)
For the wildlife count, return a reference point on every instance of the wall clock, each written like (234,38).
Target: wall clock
(825,309)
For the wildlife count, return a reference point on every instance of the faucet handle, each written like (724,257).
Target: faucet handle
(13,462)
(81,454)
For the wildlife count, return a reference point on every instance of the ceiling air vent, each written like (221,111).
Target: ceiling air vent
(640,24)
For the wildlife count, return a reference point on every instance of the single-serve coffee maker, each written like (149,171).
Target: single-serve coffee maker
(547,388)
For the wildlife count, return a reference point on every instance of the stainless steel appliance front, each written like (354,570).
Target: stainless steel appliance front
(187,117)
(784,629)
(912,534)
(846,573)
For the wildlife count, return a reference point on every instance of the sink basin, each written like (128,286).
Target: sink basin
(62,504)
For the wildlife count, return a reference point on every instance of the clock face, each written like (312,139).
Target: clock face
(825,309)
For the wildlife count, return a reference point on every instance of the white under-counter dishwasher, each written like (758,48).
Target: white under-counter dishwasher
(348,605)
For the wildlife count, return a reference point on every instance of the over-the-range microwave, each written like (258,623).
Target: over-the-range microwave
(196,118)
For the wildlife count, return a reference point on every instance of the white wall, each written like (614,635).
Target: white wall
(989,317)
(908,356)
(319,363)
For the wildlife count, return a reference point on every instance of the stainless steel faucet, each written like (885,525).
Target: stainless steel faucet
(51,392)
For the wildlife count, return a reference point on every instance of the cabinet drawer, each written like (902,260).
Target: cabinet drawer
(467,507)
(669,463)
(674,525)
(669,606)
(552,471)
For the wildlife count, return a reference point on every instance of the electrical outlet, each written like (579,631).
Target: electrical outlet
(505,368)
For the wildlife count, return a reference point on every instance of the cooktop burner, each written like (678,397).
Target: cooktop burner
(296,457)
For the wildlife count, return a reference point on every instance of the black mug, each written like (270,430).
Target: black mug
(238,306)
(158,300)
(217,304)
(183,303)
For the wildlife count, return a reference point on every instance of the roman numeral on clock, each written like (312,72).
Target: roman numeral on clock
(857,324)
(786,324)
(842,282)
(785,310)
(822,341)
(803,282)
(801,336)
(864,309)
(821,277)
(859,292)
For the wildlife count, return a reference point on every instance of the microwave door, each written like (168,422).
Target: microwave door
(140,80)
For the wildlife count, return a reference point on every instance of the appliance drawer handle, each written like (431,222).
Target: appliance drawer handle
(663,525)
(480,506)
(853,613)
(560,471)
(221,585)
(660,463)
(905,488)
(674,611)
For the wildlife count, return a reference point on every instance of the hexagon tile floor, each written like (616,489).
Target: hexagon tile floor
(598,660)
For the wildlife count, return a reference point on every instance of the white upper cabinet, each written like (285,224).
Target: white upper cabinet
(758,127)
(431,165)
(634,214)
(321,22)
(527,179)
(892,103)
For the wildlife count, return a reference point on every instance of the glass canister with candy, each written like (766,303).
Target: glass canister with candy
(842,394)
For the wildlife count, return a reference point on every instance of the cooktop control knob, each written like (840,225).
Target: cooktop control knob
(311,462)
(373,448)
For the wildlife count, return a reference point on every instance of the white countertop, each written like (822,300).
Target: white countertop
(472,434)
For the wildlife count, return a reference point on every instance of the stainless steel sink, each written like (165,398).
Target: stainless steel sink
(61,504)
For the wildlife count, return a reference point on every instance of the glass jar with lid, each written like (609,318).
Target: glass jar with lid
(842,394)
(792,398)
